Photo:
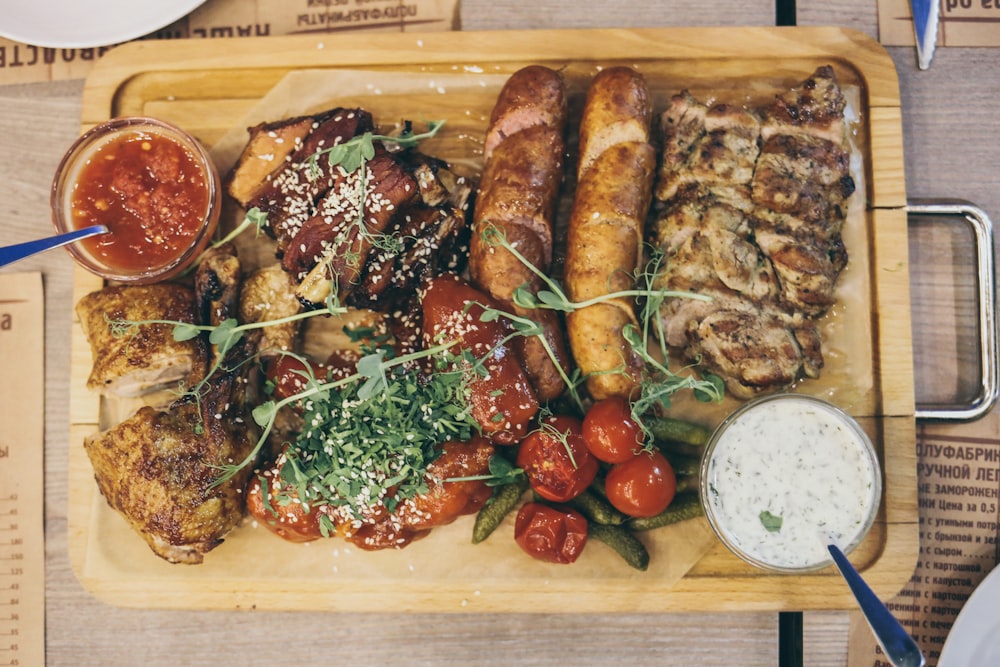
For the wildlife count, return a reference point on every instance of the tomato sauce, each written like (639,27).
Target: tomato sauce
(150,191)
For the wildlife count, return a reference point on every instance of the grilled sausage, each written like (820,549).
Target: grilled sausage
(501,400)
(518,192)
(604,243)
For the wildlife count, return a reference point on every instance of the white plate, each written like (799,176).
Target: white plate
(76,24)
(974,640)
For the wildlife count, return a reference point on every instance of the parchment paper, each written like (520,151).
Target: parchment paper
(253,559)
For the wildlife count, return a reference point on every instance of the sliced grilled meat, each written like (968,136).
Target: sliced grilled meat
(148,359)
(353,216)
(518,193)
(814,107)
(751,208)
(269,147)
(289,197)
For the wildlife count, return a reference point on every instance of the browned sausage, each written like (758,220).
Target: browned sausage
(518,193)
(604,243)
(501,401)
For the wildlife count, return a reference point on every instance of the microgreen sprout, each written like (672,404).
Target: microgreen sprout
(548,428)
(254,217)
(502,473)
(659,382)
(378,384)
(350,155)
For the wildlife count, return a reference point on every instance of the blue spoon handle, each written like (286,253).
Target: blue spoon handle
(13,253)
(896,642)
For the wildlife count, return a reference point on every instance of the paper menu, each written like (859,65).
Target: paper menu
(961,23)
(958,481)
(22,522)
(237,19)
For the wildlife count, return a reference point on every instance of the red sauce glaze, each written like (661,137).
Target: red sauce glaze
(150,191)
(502,401)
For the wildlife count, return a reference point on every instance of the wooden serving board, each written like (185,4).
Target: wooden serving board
(215,89)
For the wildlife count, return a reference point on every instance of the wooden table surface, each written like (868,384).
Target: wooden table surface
(951,133)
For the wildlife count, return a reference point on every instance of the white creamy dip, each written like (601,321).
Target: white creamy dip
(787,475)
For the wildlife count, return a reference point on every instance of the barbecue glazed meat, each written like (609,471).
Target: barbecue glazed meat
(363,234)
(267,150)
(751,205)
(148,358)
(379,528)
(160,468)
(290,193)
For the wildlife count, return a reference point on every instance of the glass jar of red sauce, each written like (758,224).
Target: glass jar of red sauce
(152,184)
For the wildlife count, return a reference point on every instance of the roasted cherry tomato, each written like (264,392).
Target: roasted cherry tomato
(642,486)
(609,430)
(552,534)
(289,375)
(556,460)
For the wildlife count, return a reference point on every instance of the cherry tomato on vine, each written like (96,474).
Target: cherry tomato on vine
(609,430)
(642,486)
(556,460)
(552,534)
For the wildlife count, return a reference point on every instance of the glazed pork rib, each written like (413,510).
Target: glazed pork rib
(368,233)
(751,205)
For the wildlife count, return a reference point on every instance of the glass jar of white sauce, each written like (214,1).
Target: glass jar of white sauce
(784,476)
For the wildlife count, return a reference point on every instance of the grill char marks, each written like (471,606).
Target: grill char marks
(751,205)
(712,148)
(815,107)
(800,189)
(160,468)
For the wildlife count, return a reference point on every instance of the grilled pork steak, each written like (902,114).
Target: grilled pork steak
(751,205)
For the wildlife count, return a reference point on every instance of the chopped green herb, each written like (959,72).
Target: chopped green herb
(360,451)
(772,523)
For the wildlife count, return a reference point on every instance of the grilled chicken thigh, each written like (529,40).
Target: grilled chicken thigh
(161,468)
(148,359)
(751,204)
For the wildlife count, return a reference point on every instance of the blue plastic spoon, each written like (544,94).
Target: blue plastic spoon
(896,642)
(12,253)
